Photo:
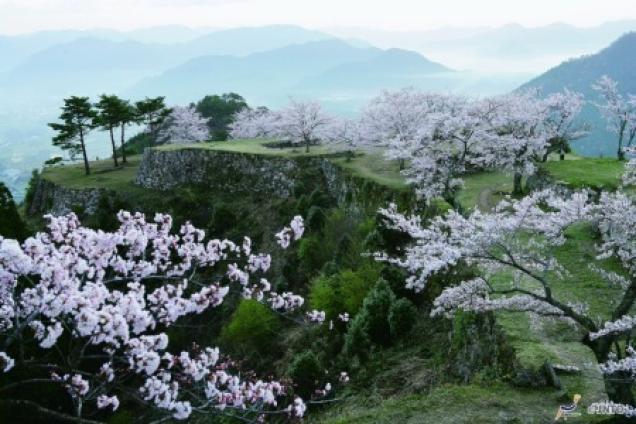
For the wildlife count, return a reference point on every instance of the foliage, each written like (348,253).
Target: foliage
(11,223)
(78,117)
(305,371)
(401,317)
(252,329)
(84,310)
(219,112)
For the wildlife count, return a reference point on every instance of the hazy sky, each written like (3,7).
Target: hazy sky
(20,16)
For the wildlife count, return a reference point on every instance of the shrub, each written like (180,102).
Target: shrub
(402,316)
(315,218)
(375,309)
(305,371)
(324,295)
(251,328)
(357,341)
(11,224)
(312,255)
(31,188)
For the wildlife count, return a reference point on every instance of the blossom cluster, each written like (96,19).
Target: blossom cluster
(114,290)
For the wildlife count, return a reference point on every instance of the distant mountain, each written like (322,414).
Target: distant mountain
(104,63)
(86,66)
(244,41)
(618,61)
(315,68)
(388,69)
(185,41)
(510,48)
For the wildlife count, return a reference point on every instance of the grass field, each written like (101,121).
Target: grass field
(254,147)
(452,404)
(586,172)
(103,175)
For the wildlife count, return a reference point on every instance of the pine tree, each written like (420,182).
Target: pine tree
(77,119)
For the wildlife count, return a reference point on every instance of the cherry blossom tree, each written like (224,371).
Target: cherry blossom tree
(96,307)
(302,122)
(395,119)
(517,138)
(451,141)
(184,125)
(619,112)
(518,241)
(561,122)
(254,123)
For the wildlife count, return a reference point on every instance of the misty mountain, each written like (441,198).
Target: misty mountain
(510,48)
(388,69)
(180,41)
(244,41)
(85,66)
(617,61)
(272,76)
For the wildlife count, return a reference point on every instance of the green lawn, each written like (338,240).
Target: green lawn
(103,175)
(451,404)
(587,172)
(255,147)
(373,166)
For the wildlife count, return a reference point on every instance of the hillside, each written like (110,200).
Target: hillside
(617,61)
(415,379)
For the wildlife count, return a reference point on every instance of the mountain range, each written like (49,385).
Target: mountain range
(267,64)
(618,61)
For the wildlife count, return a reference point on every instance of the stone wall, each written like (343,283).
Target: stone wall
(57,200)
(270,175)
(233,173)
(227,171)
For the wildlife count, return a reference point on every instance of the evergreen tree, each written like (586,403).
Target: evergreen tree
(109,110)
(11,224)
(77,119)
(152,112)
(127,115)
(220,111)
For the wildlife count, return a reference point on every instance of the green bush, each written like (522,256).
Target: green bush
(11,224)
(31,187)
(382,319)
(315,218)
(342,292)
(305,371)
(251,329)
(402,315)
(312,255)
(375,310)
(357,343)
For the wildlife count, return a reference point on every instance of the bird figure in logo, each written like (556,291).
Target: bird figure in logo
(567,409)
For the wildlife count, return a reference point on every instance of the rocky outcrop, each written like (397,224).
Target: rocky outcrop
(52,198)
(227,171)
(262,174)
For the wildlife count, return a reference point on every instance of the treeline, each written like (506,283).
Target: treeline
(210,116)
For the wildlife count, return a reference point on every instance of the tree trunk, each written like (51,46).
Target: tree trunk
(618,386)
(545,156)
(87,168)
(620,154)
(123,141)
(306,146)
(517,189)
(114,146)
(561,153)
(402,164)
